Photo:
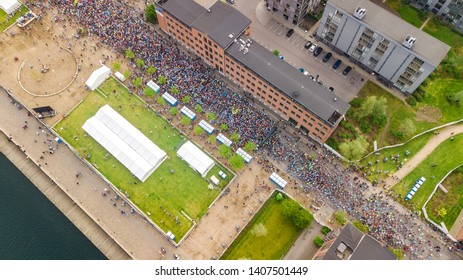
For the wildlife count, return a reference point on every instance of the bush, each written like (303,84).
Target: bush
(341,217)
(150,13)
(379,121)
(318,241)
(411,100)
(326,230)
(418,96)
(333,143)
(344,135)
(362,227)
(348,126)
(364,126)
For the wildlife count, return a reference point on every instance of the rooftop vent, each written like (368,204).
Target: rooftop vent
(295,94)
(246,50)
(360,12)
(208,10)
(230,36)
(335,99)
(409,42)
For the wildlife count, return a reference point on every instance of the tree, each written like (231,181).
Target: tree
(151,70)
(223,127)
(234,137)
(150,13)
(318,241)
(279,197)
(162,80)
(127,74)
(161,101)
(137,82)
(224,151)
(174,90)
(250,146)
(149,91)
(173,111)
(442,212)
(211,116)
(198,109)
(353,149)
(236,162)
(198,130)
(299,215)
(116,66)
(129,54)
(341,217)
(140,63)
(380,107)
(212,139)
(259,230)
(372,106)
(406,129)
(186,99)
(276,52)
(186,120)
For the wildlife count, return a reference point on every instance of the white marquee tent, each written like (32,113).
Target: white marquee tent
(127,144)
(98,77)
(196,158)
(9,6)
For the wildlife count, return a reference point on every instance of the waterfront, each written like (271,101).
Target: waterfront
(32,228)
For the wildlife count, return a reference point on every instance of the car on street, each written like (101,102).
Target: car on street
(231,1)
(308,45)
(281,57)
(306,73)
(346,70)
(289,33)
(337,64)
(301,70)
(331,89)
(312,47)
(317,51)
(327,57)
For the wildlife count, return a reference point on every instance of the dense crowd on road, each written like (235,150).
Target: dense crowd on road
(120,27)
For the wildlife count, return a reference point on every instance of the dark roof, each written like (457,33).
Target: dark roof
(220,21)
(363,247)
(298,87)
(370,249)
(187,11)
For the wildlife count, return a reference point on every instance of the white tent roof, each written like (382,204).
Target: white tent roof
(196,158)
(128,145)
(9,6)
(98,77)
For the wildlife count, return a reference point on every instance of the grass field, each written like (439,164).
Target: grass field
(4,22)
(452,201)
(164,194)
(445,157)
(280,236)
(391,165)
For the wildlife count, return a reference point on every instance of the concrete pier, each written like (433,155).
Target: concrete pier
(62,201)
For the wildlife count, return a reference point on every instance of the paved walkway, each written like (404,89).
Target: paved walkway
(432,144)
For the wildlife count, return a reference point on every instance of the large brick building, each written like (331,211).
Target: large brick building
(220,36)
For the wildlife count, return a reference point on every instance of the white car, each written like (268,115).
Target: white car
(312,48)
(306,73)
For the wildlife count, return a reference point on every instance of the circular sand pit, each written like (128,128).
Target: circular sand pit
(48,72)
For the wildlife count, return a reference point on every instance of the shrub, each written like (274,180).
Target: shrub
(150,13)
(318,241)
(418,96)
(364,126)
(356,102)
(333,143)
(326,230)
(341,217)
(411,100)
(362,227)
(379,121)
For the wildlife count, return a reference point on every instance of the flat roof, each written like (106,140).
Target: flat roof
(295,85)
(205,3)
(397,29)
(186,11)
(220,21)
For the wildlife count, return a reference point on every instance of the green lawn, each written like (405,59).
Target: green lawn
(163,194)
(4,22)
(451,201)
(391,165)
(281,234)
(407,12)
(446,156)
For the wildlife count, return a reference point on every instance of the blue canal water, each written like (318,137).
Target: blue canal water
(31,227)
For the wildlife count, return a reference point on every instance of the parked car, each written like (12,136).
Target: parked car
(301,70)
(312,47)
(331,89)
(289,33)
(346,70)
(306,73)
(336,64)
(281,57)
(317,51)
(231,1)
(327,57)
(308,45)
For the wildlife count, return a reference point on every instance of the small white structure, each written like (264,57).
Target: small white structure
(224,140)
(9,6)
(196,158)
(126,143)
(98,77)
(215,180)
(119,76)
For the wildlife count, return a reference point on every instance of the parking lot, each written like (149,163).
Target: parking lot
(270,31)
